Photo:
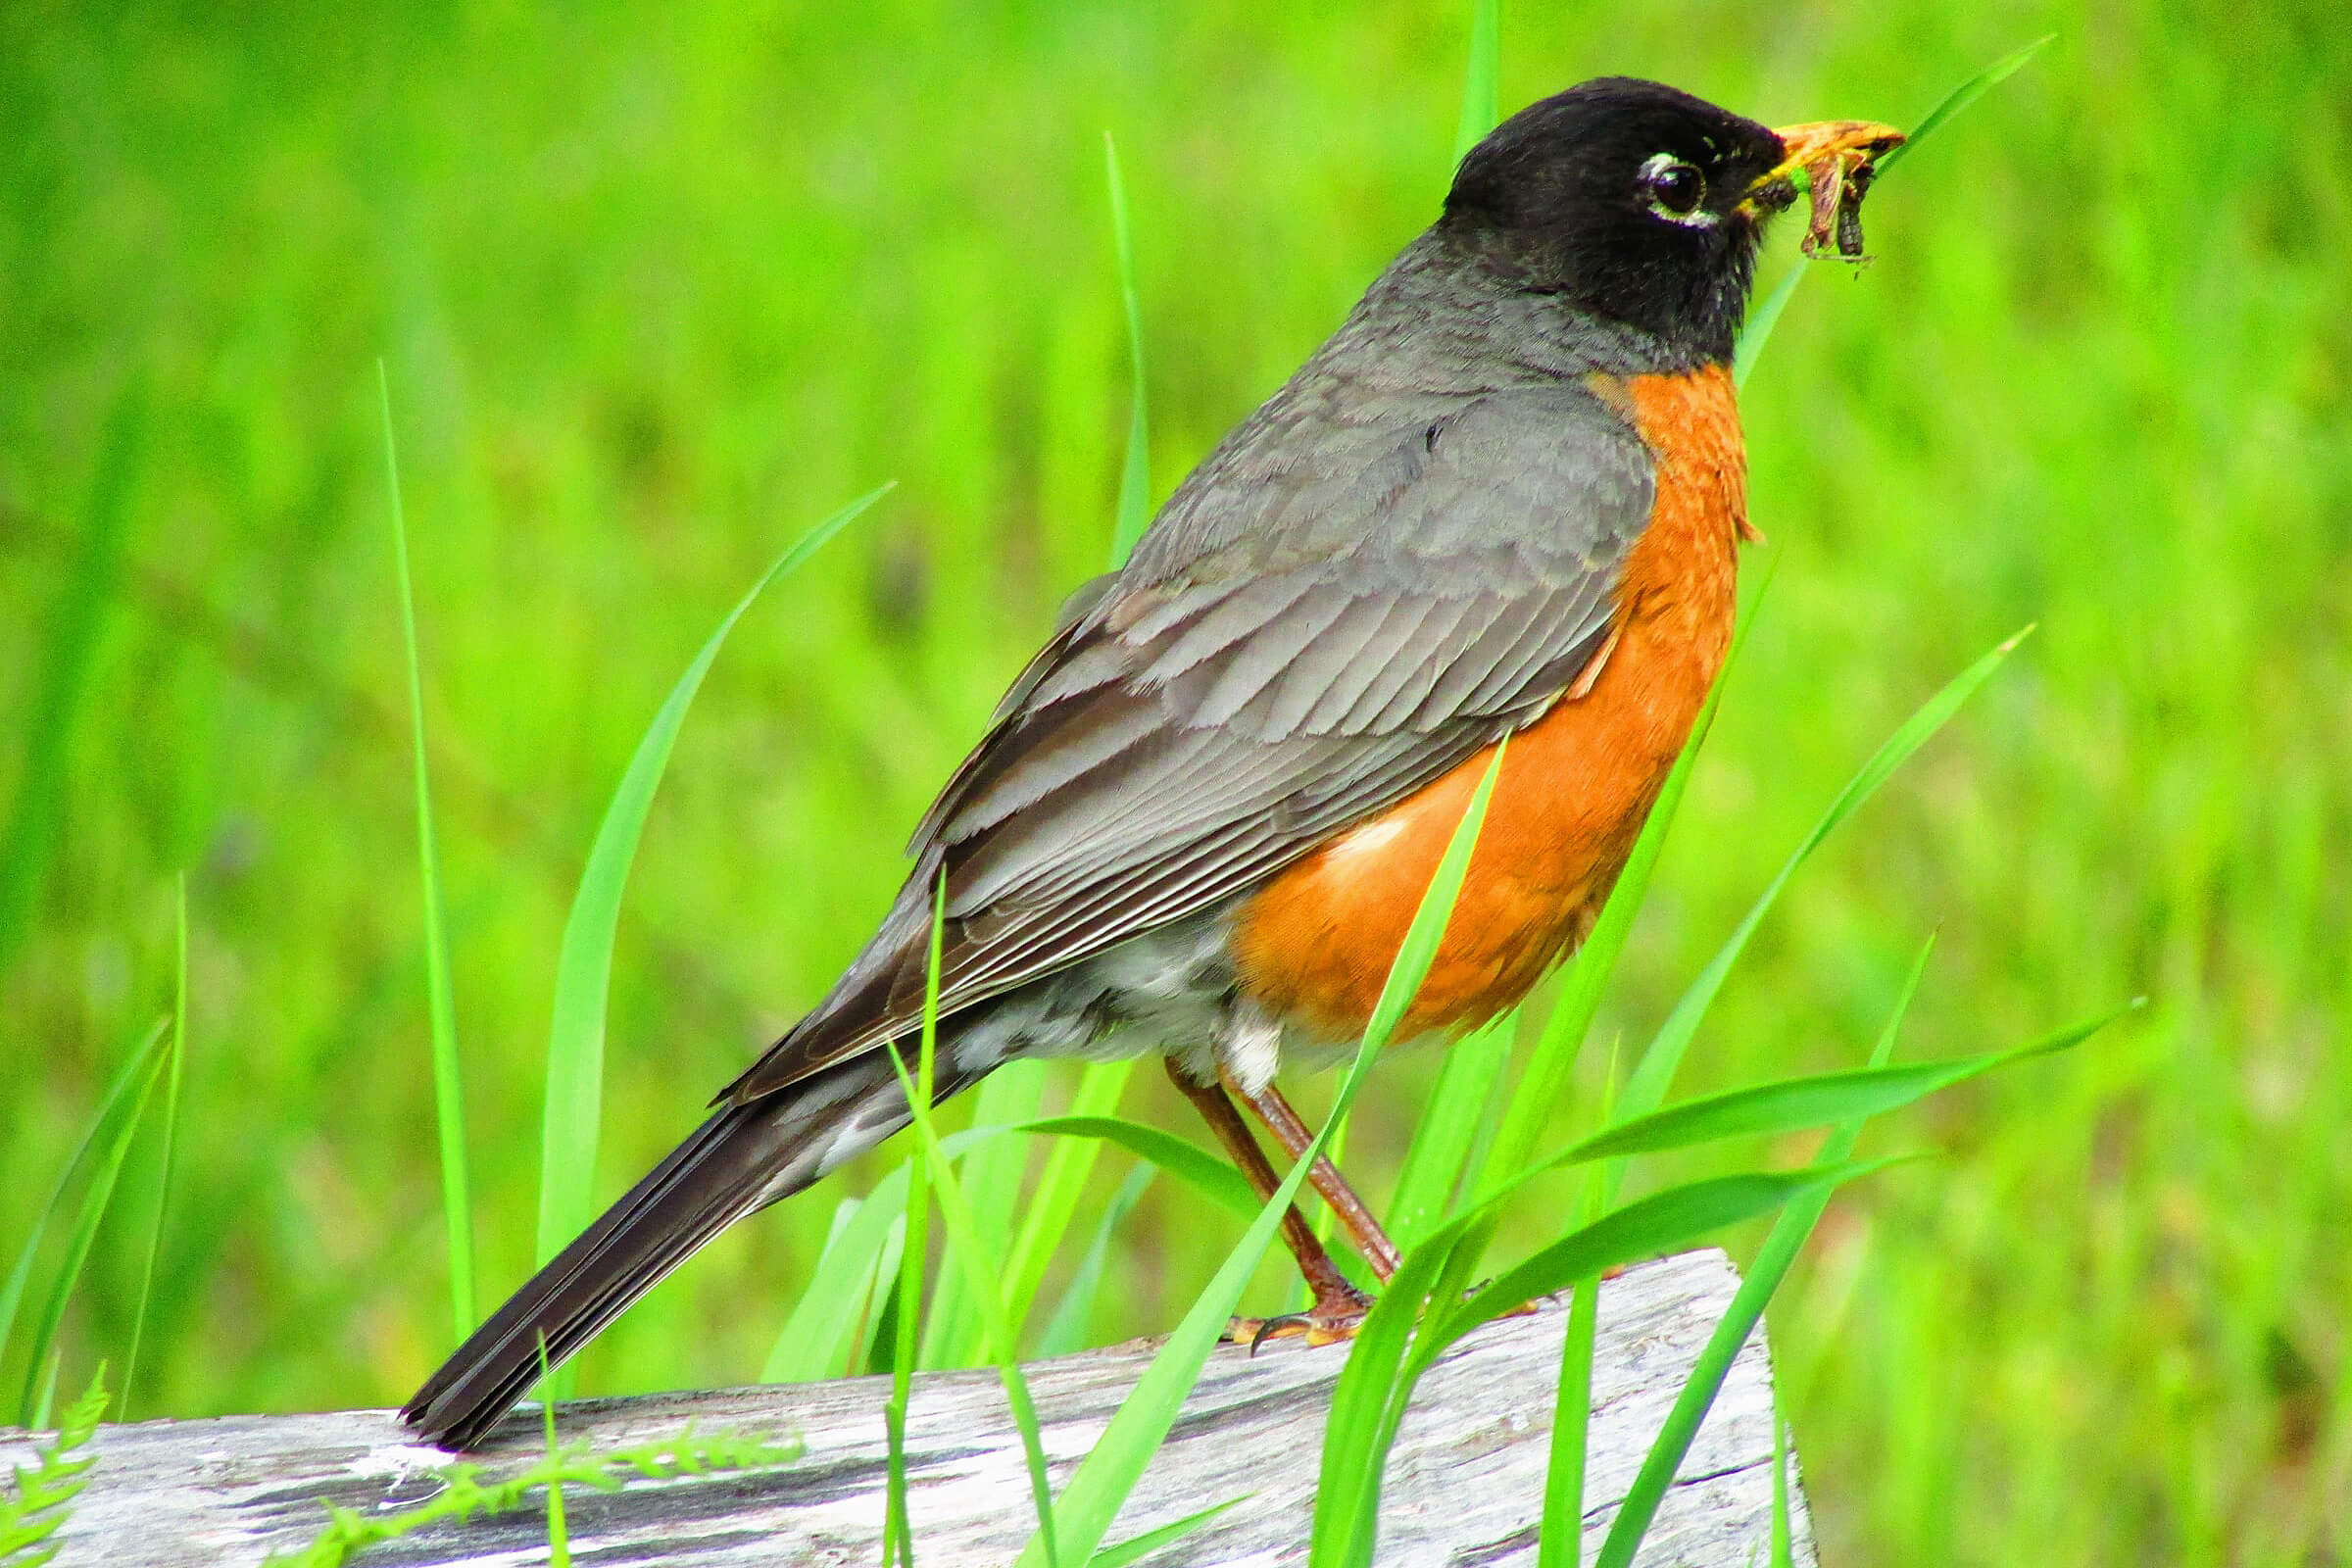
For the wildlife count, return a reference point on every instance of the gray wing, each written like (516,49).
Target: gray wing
(1329,614)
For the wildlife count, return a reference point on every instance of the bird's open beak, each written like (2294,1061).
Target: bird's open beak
(1821,139)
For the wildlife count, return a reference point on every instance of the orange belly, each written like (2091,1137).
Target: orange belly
(1315,945)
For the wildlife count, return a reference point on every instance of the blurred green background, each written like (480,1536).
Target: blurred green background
(658,285)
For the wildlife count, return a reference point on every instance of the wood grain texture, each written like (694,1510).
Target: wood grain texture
(1464,1483)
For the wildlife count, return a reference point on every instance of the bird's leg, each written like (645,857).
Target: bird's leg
(1338,1307)
(1292,1133)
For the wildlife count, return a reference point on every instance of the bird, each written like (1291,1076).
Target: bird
(1504,501)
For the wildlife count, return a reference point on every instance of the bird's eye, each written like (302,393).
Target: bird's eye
(1675,188)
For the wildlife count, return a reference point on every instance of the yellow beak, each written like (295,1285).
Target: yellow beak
(1821,139)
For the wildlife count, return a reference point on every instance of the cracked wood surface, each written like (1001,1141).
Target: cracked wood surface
(1464,1483)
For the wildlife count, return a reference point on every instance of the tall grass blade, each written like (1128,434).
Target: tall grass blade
(1967,93)
(1697,1396)
(73,625)
(122,1123)
(813,1345)
(1482,82)
(1560,1536)
(1108,1472)
(558,1535)
(1544,1081)
(20,1274)
(1212,1178)
(1447,1134)
(985,1285)
(1059,1184)
(1647,1088)
(1071,1325)
(1784,1548)
(449,1087)
(1761,320)
(1794,1104)
(575,1048)
(990,1179)
(1167,1534)
(898,1527)
(1560,1533)
(176,1062)
(1374,1389)
(1135,473)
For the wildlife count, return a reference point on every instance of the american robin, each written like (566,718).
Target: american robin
(1505,499)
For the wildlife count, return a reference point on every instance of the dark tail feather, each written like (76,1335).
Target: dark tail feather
(742,1158)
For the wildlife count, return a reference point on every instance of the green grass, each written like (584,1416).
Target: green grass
(441,1005)
(650,288)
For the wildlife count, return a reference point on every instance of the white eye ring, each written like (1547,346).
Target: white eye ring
(1659,170)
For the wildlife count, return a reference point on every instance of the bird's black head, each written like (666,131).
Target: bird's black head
(1640,203)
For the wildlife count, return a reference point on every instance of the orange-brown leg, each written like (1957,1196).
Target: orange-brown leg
(1338,1307)
(1292,1133)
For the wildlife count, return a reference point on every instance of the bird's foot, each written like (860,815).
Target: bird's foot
(1339,1311)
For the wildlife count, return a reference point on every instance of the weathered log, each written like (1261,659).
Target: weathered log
(1464,1483)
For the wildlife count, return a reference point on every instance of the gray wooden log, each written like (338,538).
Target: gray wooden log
(1464,1483)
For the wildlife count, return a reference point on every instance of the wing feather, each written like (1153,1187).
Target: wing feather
(1327,617)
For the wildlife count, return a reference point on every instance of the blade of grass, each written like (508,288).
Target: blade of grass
(1783,1547)
(1190,1163)
(1069,1329)
(1135,473)
(1167,1534)
(12,1291)
(1560,1533)
(808,1348)
(1110,1472)
(1448,1130)
(1481,80)
(1544,1081)
(74,623)
(1760,322)
(449,1087)
(1059,1184)
(1647,1088)
(1794,1104)
(176,1062)
(32,1409)
(1967,93)
(898,1527)
(956,1336)
(1789,1107)
(572,1112)
(985,1285)
(1788,1235)
(1369,1403)
(1379,1377)
(559,1536)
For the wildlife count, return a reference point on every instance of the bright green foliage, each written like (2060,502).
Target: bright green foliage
(106,1143)
(463,1493)
(651,282)
(572,1118)
(1766,313)
(1789,1233)
(983,1281)
(1110,1470)
(35,1504)
(441,1005)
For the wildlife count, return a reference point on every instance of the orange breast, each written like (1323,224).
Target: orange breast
(1314,946)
